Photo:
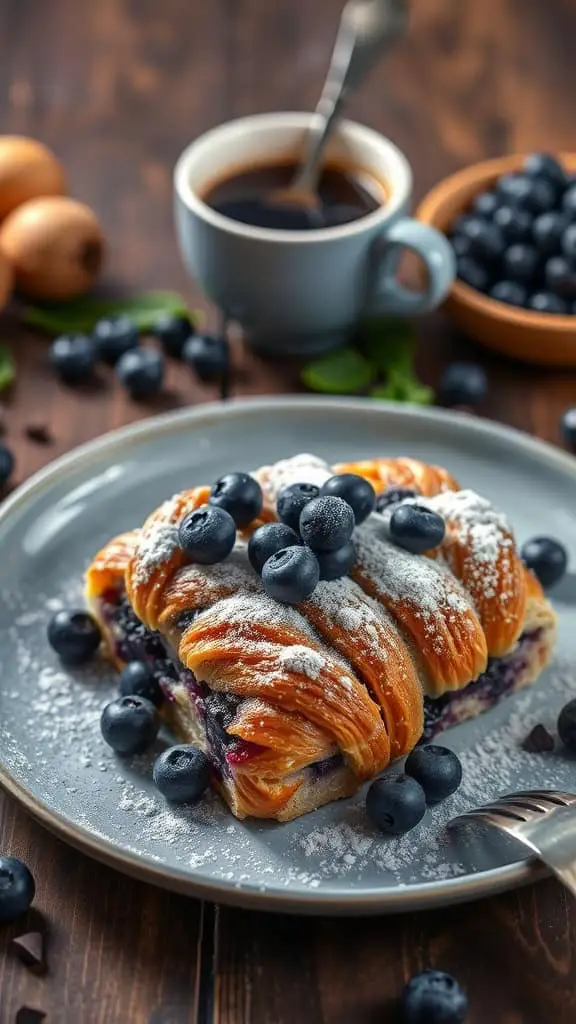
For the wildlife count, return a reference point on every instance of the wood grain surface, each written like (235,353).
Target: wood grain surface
(117,88)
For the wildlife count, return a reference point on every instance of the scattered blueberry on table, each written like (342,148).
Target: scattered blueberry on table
(437,769)
(568,427)
(17,889)
(434,997)
(138,679)
(141,371)
(517,241)
(129,725)
(6,464)
(173,332)
(207,535)
(240,494)
(291,575)
(114,336)
(393,496)
(73,356)
(182,773)
(462,384)
(208,356)
(74,635)
(416,528)
(547,559)
(396,805)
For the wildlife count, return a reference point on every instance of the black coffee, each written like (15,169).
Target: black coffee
(246,195)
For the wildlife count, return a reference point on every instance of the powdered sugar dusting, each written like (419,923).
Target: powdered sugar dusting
(302,659)
(158,541)
(299,469)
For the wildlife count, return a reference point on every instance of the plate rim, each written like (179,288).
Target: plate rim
(324,900)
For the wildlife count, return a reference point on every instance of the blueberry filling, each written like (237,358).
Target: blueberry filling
(498,679)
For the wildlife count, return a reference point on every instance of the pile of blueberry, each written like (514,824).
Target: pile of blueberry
(517,242)
(116,341)
(431,773)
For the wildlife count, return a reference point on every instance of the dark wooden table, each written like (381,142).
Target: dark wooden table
(117,88)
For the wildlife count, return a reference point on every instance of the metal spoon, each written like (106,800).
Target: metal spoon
(367,29)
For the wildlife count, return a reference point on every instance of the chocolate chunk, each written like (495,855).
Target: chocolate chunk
(28,1015)
(29,948)
(539,741)
(39,433)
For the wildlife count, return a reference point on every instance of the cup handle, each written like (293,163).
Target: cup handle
(437,255)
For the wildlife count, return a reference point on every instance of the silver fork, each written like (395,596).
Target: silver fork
(543,820)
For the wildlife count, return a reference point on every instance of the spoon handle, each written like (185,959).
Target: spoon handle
(366,28)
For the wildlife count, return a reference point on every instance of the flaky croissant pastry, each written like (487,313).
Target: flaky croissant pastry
(298,706)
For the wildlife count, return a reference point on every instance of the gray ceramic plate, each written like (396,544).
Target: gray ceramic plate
(54,761)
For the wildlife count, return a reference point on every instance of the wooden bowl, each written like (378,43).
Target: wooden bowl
(533,337)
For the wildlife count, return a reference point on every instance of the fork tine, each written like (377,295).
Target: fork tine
(492,815)
(553,796)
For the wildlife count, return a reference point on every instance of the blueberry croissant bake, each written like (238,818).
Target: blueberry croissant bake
(303,655)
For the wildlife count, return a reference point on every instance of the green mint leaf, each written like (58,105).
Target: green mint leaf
(7,368)
(343,372)
(404,389)
(389,343)
(82,314)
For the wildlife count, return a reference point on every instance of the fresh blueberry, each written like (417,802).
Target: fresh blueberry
(437,769)
(141,371)
(485,204)
(207,535)
(326,523)
(510,292)
(208,356)
(393,496)
(395,805)
(569,201)
(74,635)
(547,302)
(416,528)
(129,725)
(182,773)
(486,240)
(520,263)
(115,335)
(534,194)
(292,500)
(17,889)
(567,725)
(267,540)
(543,165)
(172,331)
(569,243)
(6,464)
(73,356)
(560,277)
(354,490)
(240,494)
(514,223)
(463,384)
(434,998)
(547,559)
(291,575)
(568,427)
(548,230)
(138,679)
(473,274)
(334,564)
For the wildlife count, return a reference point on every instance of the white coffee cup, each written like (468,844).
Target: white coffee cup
(302,292)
